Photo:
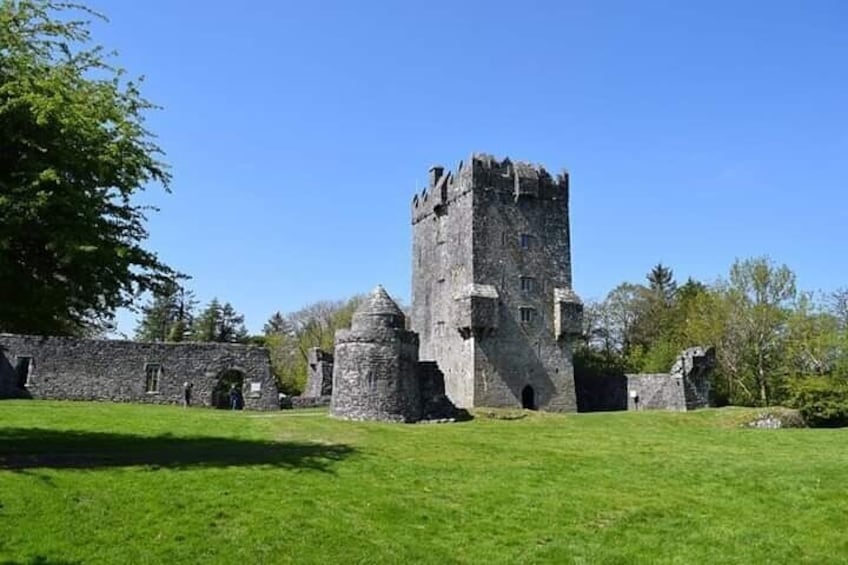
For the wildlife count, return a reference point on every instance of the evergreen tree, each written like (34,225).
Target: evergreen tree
(277,324)
(167,316)
(661,282)
(219,323)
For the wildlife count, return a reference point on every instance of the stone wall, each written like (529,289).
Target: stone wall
(66,368)
(491,297)
(685,387)
(374,376)
(655,391)
(297,402)
(319,376)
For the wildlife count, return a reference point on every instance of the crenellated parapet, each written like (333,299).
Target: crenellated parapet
(492,297)
(510,180)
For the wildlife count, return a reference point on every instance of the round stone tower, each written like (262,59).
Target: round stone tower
(374,376)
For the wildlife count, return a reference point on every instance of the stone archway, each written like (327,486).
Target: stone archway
(229,380)
(528,398)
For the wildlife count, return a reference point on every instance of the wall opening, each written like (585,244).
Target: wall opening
(152,376)
(227,394)
(528,398)
(23,366)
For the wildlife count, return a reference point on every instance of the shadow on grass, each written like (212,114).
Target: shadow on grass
(41,560)
(33,448)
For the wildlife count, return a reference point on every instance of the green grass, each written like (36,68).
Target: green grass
(110,483)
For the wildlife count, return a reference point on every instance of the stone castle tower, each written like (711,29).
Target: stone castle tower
(492,300)
(375,374)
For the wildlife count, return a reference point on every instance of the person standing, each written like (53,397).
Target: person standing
(187,386)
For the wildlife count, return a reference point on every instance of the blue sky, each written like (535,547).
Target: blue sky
(694,132)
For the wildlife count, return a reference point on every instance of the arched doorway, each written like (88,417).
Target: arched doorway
(528,398)
(230,384)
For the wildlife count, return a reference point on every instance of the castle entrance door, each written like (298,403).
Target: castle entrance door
(528,398)
(227,389)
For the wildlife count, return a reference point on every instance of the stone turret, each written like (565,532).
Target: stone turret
(374,375)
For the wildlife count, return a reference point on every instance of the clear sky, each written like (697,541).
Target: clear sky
(297,132)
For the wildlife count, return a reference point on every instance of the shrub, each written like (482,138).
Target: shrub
(823,401)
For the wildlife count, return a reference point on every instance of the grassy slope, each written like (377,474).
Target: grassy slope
(86,483)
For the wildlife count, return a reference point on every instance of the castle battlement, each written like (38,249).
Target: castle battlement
(491,273)
(483,171)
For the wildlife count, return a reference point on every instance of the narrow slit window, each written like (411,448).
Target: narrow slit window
(152,376)
(527,241)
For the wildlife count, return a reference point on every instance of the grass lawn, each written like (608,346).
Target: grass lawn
(111,483)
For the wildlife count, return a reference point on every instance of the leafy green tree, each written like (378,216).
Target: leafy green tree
(289,337)
(761,293)
(167,316)
(74,152)
(622,309)
(838,306)
(219,323)
(815,342)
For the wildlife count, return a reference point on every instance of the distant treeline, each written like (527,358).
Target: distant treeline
(775,344)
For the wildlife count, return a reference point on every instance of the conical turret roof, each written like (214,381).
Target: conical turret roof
(379,310)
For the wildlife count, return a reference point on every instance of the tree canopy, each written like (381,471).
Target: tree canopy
(74,151)
(770,340)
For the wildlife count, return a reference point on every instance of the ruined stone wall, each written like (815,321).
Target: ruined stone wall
(319,377)
(655,391)
(375,375)
(66,368)
(486,297)
(694,365)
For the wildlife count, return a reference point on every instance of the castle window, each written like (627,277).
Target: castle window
(527,241)
(152,376)
(23,370)
(529,284)
(528,315)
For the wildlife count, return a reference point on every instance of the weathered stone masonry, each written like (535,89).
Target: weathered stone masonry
(492,299)
(685,387)
(376,374)
(66,368)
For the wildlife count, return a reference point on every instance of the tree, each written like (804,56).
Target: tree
(661,282)
(277,324)
(760,294)
(623,307)
(813,344)
(652,336)
(219,323)
(168,315)
(289,337)
(74,152)
(838,306)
